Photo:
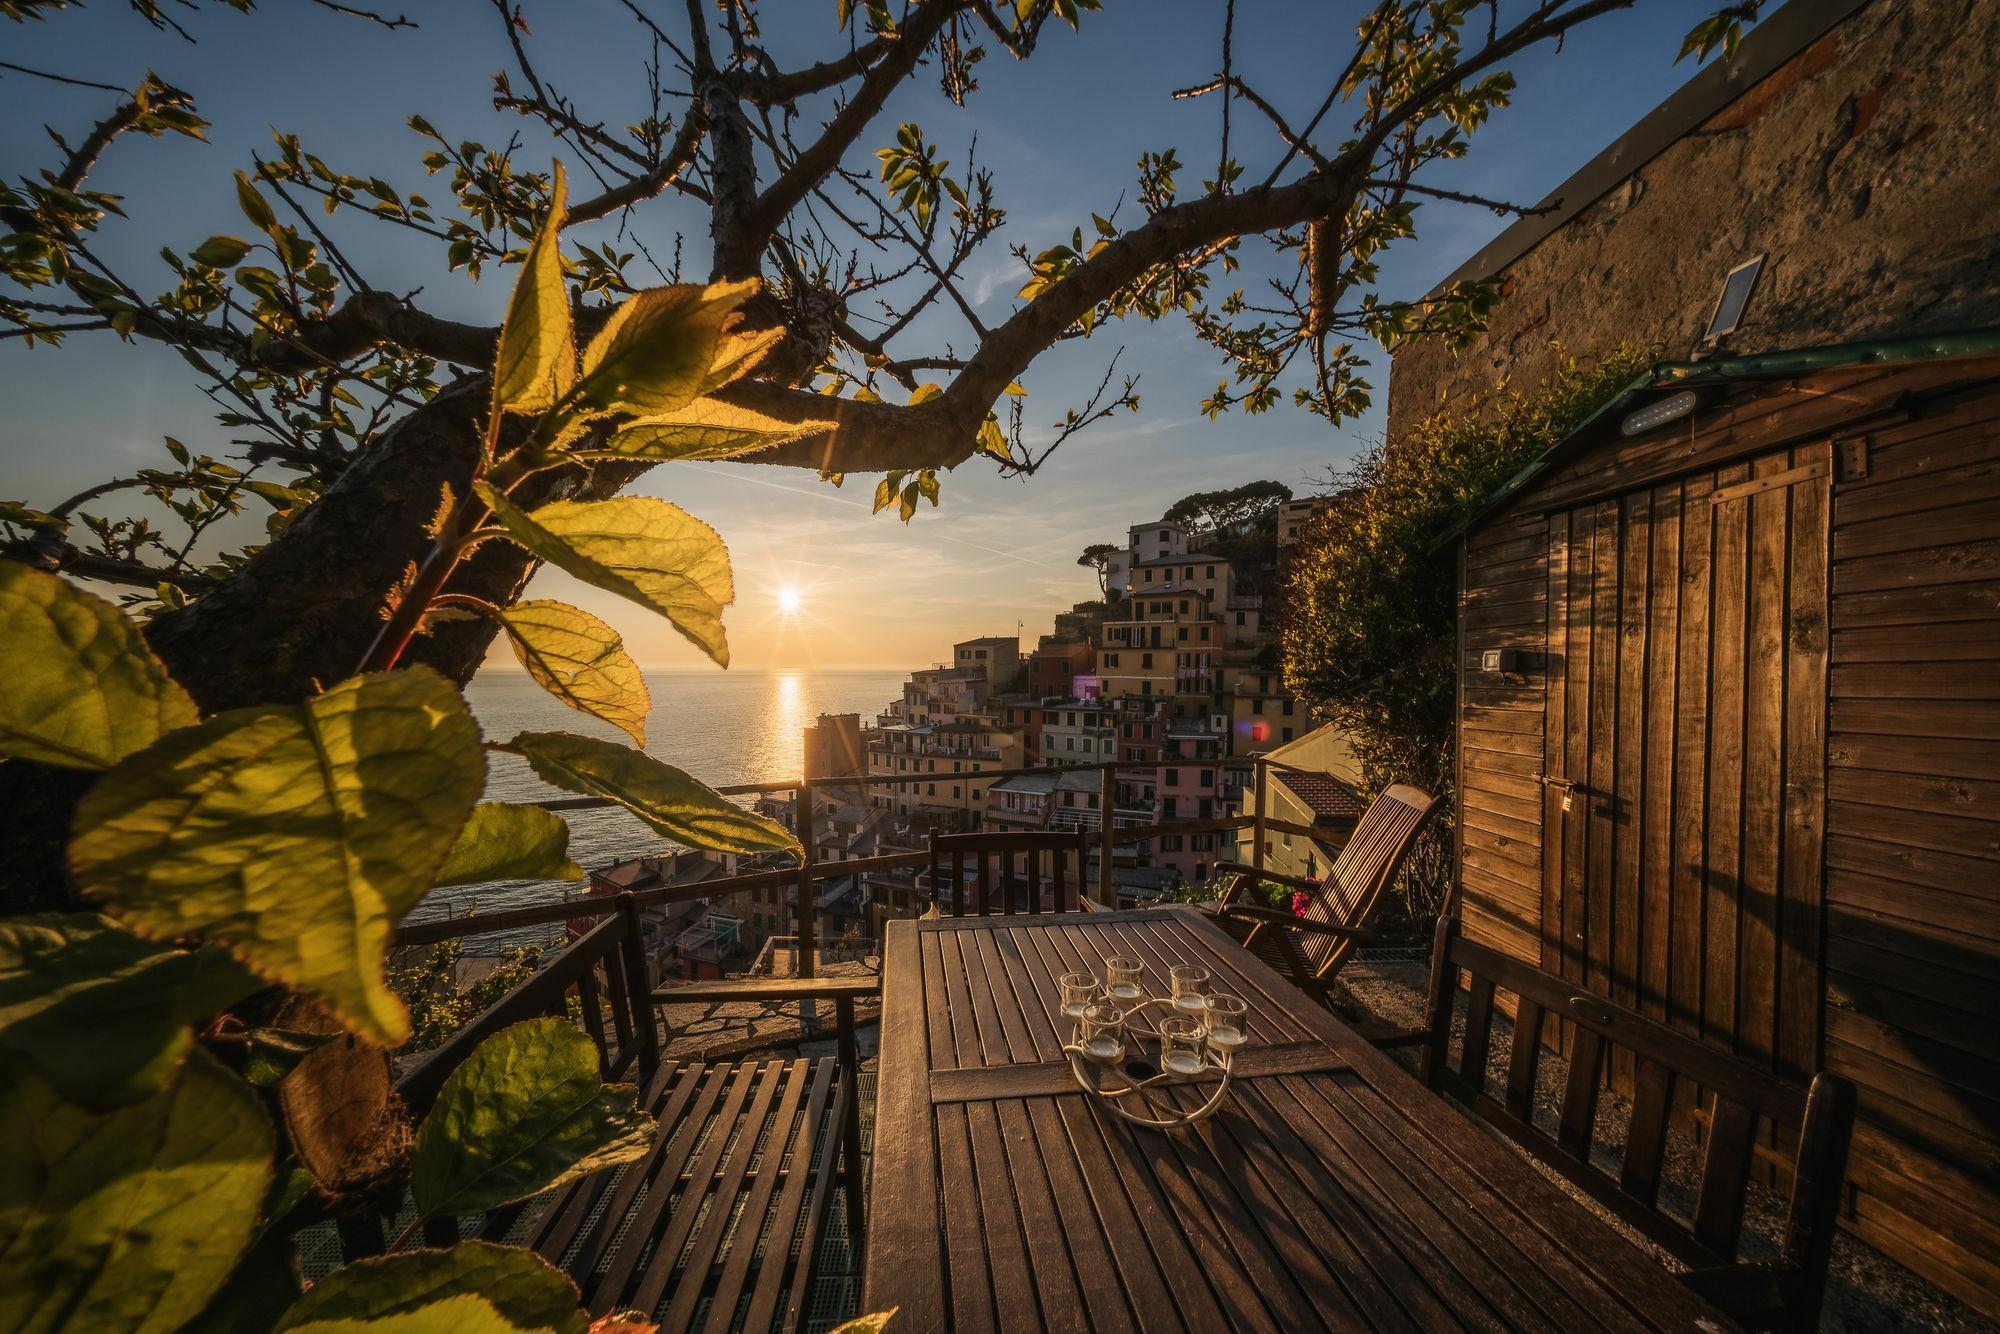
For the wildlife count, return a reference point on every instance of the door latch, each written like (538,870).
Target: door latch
(1562,785)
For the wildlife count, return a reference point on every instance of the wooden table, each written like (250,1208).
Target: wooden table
(1333,1191)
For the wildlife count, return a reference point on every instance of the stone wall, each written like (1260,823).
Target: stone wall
(1868,166)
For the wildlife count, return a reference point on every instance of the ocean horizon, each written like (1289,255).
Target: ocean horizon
(724,727)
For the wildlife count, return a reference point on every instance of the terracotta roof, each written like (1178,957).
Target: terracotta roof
(1329,798)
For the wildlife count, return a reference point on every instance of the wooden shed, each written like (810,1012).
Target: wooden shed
(1729,743)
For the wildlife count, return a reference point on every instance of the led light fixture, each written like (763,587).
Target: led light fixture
(1658,413)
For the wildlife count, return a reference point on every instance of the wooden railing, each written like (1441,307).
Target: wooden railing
(811,871)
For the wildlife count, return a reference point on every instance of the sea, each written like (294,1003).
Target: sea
(724,727)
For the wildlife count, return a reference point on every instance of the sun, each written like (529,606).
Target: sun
(788,600)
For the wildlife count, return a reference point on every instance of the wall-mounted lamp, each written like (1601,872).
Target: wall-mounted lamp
(1501,661)
(1658,413)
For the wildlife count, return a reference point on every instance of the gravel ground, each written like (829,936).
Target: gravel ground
(1867,1292)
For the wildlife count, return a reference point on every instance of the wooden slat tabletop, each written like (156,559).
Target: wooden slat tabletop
(1333,1191)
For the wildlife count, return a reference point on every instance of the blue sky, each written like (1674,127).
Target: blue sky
(1061,133)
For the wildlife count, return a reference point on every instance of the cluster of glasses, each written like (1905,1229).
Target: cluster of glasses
(1200,1032)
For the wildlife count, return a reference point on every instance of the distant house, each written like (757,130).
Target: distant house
(1729,654)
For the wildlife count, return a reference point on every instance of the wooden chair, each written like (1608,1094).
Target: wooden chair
(950,854)
(1339,910)
(1735,1098)
(724,1218)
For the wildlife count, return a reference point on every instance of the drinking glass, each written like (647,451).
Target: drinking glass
(1121,978)
(1226,1019)
(1101,1033)
(1182,1040)
(1078,991)
(1190,990)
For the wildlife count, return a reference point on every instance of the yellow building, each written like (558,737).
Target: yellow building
(937,769)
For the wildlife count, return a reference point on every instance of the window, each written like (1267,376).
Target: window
(1145,661)
(1190,572)
(1210,574)
(1208,778)
(1111,660)
(1172,778)
(930,789)
(1069,720)
(1256,706)
(1184,606)
(1163,534)
(1287,710)
(933,766)
(954,789)
(975,797)
(1204,634)
(1145,687)
(1288,734)
(1069,743)
(1170,812)
(1239,618)
(954,766)
(1149,576)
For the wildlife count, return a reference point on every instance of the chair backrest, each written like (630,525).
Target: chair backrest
(1009,890)
(1365,868)
(1735,1099)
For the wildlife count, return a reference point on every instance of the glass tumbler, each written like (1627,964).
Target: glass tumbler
(1226,1019)
(1190,990)
(1078,991)
(1182,1044)
(1101,1033)
(1121,978)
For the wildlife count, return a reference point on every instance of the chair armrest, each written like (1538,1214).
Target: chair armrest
(1276,918)
(769,989)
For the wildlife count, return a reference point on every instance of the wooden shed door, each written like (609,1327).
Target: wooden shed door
(1687,650)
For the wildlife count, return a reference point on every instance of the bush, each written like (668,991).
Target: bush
(1371,630)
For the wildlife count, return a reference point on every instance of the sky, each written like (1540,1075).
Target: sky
(1061,133)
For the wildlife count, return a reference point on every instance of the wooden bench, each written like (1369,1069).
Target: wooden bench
(719,1227)
(1736,1099)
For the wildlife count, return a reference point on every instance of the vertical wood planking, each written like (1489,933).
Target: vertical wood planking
(1802,891)
(1656,943)
(1722,869)
(1694,650)
(1630,746)
(1576,739)
(1555,695)
(1765,613)
(1603,800)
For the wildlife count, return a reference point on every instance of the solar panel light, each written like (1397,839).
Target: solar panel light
(1659,412)
(1736,288)
(1501,661)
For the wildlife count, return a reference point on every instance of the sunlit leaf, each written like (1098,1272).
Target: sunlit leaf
(78,686)
(220,252)
(655,352)
(465,1313)
(536,361)
(673,802)
(524,1288)
(524,1113)
(129,1220)
(924,393)
(297,837)
(106,1016)
(704,429)
(253,205)
(866,1324)
(654,553)
(581,661)
(504,842)
(737,354)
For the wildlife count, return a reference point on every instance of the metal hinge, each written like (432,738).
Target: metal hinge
(1850,458)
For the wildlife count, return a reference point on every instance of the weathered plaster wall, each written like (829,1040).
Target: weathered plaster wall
(1868,166)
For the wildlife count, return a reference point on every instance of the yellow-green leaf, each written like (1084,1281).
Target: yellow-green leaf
(78,686)
(655,353)
(107,1016)
(536,361)
(654,553)
(526,1112)
(464,1313)
(673,802)
(705,429)
(738,354)
(866,1324)
(252,203)
(519,1284)
(132,1219)
(297,837)
(503,842)
(581,661)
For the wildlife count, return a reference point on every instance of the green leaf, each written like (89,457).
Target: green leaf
(298,837)
(581,661)
(654,553)
(924,393)
(520,1285)
(78,686)
(737,354)
(273,1053)
(129,1220)
(253,205)
(536,361)
(106,1016)
(655,353)
(221,252)
(524,1113)
(677,805)
(704,429)
(463,1314)
(503,842)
